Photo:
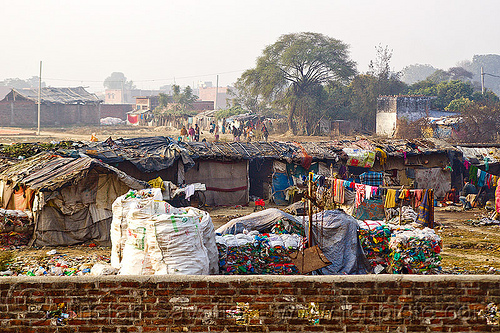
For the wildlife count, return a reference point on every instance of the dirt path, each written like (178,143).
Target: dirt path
(11,134)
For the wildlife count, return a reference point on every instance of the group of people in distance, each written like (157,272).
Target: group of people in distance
(193,134)
(248,132)
(481,195)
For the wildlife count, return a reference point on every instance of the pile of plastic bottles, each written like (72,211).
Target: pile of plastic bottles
(55,264)
(255,253)
(375,243)
(415,251)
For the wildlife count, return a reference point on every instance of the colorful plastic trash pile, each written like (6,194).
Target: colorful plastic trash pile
(375,243)
(415,251)
(56,264)
(255,253)
(16,228)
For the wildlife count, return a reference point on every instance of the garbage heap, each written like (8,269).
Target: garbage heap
(407,249)
(254,253)
(149,236)
(16,228)
(415,251)
(58,264)
(375,239)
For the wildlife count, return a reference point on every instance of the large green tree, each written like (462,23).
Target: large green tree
(289,71)
(366,88)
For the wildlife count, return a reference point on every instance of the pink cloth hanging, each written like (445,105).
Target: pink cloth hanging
(360,193)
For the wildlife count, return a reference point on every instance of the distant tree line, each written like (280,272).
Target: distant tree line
(17,83)
(310,76)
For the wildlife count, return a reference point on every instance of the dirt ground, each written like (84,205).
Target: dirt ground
(10,134)
(467,247)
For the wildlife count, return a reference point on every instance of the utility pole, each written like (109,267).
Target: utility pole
(482,81)
(216,92)
(39,96)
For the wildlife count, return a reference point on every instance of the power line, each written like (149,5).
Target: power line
(149,80)
(491,75)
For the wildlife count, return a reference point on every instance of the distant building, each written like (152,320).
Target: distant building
(203,105)
(148,103)
(116,110)
(127,96)
(209,94)
(59,107)
(390,109)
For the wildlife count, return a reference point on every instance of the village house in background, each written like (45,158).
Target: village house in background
(391,109)
(217,95)
(59,106)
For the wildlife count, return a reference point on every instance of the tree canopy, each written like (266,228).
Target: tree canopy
(290,71)
(18,83)
(180,102)
(445,91)
(117,80)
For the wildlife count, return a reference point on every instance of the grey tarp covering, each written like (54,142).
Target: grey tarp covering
(147,154)
(73,196)
(262,221)
(336,233)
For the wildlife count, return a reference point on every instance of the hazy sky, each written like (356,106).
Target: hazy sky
(82,42)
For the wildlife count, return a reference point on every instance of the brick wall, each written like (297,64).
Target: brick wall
(26,114)
(116,110)
(249,303)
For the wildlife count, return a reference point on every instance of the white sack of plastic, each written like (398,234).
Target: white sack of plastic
(136,259)
(208,234)
(176,245)
(118,232)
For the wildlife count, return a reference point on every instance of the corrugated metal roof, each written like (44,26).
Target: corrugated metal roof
(76,95)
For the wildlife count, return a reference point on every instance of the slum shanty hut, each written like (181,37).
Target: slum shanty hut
(142,158)
(425,163)
(59,106)
(231,171)
(429,163)
(481,165)
(223,171)
(70,197)
(256,169)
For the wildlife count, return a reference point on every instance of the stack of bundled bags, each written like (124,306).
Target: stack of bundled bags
(415,251)
(374,238)
(16,228)
(149,236)
(254,253)
(400,249)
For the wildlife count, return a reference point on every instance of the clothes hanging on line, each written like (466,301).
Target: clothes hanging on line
(390,198)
